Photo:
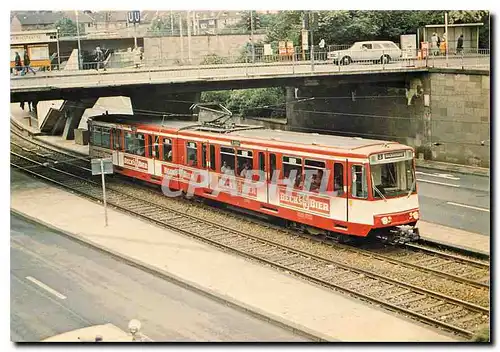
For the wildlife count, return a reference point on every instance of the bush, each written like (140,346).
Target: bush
(213,59)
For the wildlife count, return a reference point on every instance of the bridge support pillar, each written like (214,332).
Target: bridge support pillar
(148,103)
(73,114)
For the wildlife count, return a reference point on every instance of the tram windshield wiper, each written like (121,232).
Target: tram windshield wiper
(377,190)
(412,185)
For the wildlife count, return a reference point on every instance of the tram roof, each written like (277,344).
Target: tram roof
(362,145)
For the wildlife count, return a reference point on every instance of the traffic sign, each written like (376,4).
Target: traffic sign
(106,167)
(134,17)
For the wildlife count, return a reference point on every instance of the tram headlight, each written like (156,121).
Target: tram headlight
(415,215)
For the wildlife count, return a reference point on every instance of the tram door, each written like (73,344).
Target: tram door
(358,194)
(154,154)
(339,199)
(117,144)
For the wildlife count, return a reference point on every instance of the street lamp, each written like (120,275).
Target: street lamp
(58,52)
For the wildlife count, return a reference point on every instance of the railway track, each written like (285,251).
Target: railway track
(432,307)
(457,268)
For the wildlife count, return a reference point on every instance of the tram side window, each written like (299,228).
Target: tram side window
(227,160)
(245,162)
(150,146)
(167,149)
(140,144)
(262,162)
(338,178)
(359,185)
(313,174)
(212,157)
(156,147)
(292,171)
(96,136)
(272,166)
(191,154)
(204,156)
(129,142)
(117,141)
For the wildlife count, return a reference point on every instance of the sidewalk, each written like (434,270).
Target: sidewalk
(463,169)
(454,237)
(277,295)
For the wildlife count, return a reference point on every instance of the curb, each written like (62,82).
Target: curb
(212,294)
(460,247)
(462,169)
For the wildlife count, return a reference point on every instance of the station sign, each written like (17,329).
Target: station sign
(134,17)
(31,38)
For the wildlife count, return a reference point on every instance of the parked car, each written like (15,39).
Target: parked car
(379,51)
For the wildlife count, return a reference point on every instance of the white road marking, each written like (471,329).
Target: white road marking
(438,183)
(45,287)
(468,206)
(446,176)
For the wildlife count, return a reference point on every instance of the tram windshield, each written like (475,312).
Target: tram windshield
(392,179)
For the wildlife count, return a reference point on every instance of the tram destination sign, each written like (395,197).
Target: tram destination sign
(394,155)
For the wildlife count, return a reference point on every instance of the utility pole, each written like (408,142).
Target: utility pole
(251,35)
(180,33)
(171,23)
(311,28)
(446,35)
(188,20)
(78,38)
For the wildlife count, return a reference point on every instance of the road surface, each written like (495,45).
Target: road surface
(59,285)
(455,200)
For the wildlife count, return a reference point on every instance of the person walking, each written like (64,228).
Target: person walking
(18,65)
(460,44)
(27,62)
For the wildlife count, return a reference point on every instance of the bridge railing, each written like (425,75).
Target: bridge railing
(259,64)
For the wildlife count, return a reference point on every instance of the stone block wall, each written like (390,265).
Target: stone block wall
(460,118)
(168,49)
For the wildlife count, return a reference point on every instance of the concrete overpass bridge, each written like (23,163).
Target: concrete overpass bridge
(77,84)
(376,100)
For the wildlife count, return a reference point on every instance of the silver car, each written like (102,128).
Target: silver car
(378,51)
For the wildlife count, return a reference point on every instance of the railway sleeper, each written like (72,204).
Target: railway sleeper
(414,299)
(429,306)
(396,294)
(354,278)
(446,313)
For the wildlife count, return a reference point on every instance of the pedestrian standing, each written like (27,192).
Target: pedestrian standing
(27,63)
(98,57)
(21,104)
(434,44)
(460,44)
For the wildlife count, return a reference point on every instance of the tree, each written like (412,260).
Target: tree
(67,28)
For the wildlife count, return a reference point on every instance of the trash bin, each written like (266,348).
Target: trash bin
(81,136)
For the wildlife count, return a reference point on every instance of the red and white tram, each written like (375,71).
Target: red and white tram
(368,187)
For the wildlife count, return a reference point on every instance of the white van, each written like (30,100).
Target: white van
(379,51)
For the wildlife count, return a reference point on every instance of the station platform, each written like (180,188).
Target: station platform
(430,231)
(277,295)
